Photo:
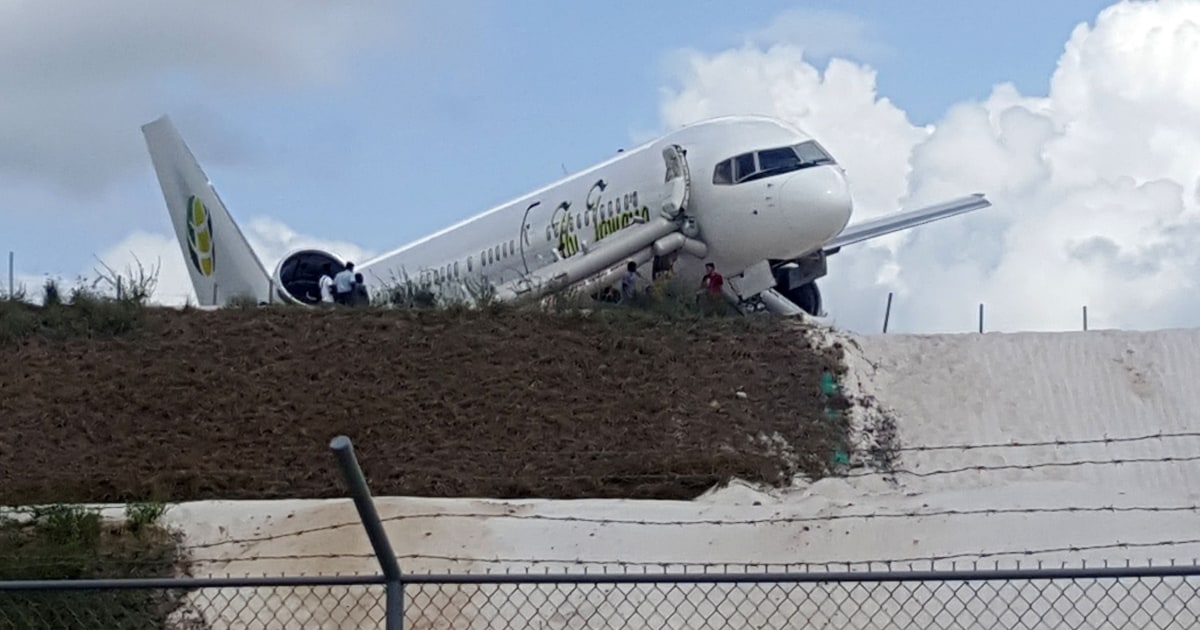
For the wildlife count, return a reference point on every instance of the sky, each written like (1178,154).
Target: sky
(361,126)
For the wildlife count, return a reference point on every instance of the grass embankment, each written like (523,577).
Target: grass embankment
(61,542)
(659,400)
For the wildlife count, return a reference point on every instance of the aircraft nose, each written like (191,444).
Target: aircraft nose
(817,203)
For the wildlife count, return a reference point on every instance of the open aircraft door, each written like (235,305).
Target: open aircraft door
(678,182)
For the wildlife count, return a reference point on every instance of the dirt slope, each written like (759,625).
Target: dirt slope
(242,404)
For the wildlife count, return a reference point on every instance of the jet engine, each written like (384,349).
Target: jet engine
(298,274)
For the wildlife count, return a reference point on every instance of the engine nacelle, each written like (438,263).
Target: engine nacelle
(298,275)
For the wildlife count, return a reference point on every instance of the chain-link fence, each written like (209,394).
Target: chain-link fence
(1145,598)
(1109,598)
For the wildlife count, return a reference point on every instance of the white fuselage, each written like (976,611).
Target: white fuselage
(775,217)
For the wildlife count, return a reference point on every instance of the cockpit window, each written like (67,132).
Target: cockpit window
(723,174)
(774,161)
(783,159)
(811,153)
(745,166)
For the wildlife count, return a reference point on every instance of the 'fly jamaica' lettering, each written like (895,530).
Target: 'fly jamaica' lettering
(607,215)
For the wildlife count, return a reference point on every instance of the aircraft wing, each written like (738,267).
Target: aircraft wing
(903,220)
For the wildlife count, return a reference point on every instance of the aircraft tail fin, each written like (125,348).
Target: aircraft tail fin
(219,259)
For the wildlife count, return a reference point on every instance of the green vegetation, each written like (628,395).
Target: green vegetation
(667,299)
(64,542)
(110,305)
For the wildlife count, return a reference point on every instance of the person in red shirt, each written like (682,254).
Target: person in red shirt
(711,299)
(712,281)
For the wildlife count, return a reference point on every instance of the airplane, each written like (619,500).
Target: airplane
(758,197)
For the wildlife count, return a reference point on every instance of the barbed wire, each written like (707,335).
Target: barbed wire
(772,520)
(1056,442)
(1034,466)
(981,555)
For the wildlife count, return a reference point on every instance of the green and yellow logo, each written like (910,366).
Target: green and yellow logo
(200,235)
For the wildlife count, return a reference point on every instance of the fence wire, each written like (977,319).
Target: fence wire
(1151,598)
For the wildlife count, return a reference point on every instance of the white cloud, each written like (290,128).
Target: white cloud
(822,33)
(80,77)
(1094,185)
(272,240)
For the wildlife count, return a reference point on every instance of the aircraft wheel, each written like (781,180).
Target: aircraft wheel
(808,298)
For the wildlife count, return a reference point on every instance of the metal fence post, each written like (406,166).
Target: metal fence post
(343,450)
(1085,316)
(981,317)
(12,275)
(887,312)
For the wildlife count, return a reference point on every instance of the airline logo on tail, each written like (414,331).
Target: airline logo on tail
(199,230)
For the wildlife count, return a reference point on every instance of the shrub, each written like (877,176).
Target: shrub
(63,542)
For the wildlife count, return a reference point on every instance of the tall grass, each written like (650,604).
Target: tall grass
(111,305)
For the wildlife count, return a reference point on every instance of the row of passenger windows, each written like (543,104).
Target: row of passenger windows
(453,271)
(768,162)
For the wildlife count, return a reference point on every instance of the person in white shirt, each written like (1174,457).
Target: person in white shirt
(343,284)
(326,284)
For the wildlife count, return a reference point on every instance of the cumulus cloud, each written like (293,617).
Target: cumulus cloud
(1094,184)
(80,77)
(272,239)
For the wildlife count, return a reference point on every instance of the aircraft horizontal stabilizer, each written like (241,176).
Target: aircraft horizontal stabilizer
(887,224)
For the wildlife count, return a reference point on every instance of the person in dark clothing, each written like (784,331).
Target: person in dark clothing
(360,296)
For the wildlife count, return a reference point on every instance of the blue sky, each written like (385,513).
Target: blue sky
(416,136)
(441,112)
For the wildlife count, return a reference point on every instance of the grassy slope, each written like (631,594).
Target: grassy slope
(504,403)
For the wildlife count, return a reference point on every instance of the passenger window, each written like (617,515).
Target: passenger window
(470,265)
(512,246)
(723,174)
(745,166)
(456,269)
